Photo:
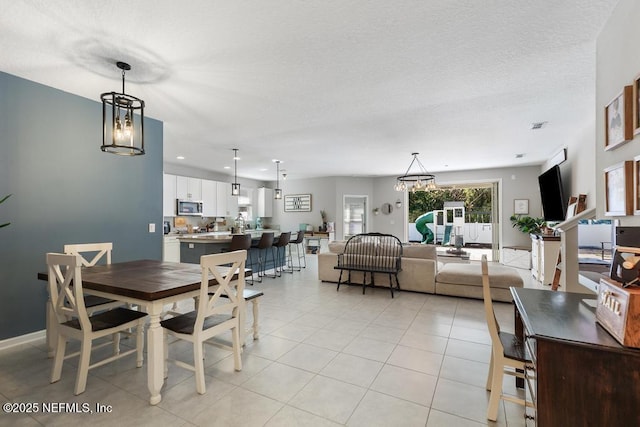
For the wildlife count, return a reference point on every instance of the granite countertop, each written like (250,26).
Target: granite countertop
(220,236)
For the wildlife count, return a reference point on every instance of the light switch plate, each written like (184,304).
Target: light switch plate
(152,227)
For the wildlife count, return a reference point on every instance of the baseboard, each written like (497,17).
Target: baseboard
(22,339)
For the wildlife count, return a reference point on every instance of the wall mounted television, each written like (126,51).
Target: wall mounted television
(554,204)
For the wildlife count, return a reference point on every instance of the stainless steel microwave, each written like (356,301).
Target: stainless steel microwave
(188,207)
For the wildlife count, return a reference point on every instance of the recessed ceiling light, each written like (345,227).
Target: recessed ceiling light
(227,167)
(180,157)
(263,169)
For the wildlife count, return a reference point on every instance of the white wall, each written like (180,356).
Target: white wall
(577,170)
(617,63)
(327,194)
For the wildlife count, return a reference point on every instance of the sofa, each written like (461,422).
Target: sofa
(422,272)
(419,267)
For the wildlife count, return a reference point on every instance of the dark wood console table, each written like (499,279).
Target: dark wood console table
(580,376)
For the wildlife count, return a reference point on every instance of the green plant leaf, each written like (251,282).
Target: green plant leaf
(5,198)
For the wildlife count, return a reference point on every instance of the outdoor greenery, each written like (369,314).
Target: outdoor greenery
(3,199)
(477,202)
(527,224)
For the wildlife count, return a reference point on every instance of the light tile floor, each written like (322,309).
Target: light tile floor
(324,358)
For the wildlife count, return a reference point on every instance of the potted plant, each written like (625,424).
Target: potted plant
(527,224)
(5,198)
(323,215)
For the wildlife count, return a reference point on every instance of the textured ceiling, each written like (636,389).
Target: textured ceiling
(330,87)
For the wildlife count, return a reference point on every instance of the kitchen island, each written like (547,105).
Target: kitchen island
(193,246)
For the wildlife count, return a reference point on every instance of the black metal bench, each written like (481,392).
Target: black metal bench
(371,253)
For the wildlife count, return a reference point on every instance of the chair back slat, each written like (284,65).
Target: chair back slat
(222,268)
(492,322)
(376,251)
(95,251)
(65,288)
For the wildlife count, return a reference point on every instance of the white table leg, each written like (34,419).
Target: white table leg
(155,353)
(255,317)
(242,319)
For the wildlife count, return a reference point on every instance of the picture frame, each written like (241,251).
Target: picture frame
(521,206)
(636,185)
(618,187)
(636,105)
(618,115)
(297,203)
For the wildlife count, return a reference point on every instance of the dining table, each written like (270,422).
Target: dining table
(149,284)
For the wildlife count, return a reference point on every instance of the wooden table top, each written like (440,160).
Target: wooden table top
(562,316)
(147,280)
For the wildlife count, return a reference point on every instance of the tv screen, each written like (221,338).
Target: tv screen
(554,204)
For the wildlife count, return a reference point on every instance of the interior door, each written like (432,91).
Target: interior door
(354,215)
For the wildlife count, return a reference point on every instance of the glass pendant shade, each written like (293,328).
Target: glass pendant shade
(235,187)
(122,121)
(277,194)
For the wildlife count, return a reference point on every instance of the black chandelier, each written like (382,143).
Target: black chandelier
(278,191)
(122,121)
(235,187)
(420,181)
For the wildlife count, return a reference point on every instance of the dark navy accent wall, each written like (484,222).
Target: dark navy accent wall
(65,190)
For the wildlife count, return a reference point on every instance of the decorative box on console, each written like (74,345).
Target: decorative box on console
(618,311)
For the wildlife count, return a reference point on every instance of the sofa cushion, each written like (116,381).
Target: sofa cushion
(337,246)
(471,274)
(419,251)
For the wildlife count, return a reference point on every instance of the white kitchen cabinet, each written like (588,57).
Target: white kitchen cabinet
(265,202)
(188,188)
(209,198)
(168,195)
(223,193)
(171,249)
(232,204)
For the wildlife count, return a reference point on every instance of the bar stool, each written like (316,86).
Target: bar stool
(241,242)
(283,242)
(297,242)
(265,242)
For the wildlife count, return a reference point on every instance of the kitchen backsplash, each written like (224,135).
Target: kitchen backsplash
(181,224)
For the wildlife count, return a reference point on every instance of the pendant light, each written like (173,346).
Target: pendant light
(278,191)
(420,181)
(235,187)
(122,121)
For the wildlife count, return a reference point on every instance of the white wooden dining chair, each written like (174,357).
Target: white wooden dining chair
(67,298)
(507,353)
(215,313)
(98,253)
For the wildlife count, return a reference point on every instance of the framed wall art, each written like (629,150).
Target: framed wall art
(521,206)
(297,203)
(636,185)
(636,105)
(618,188)
(619,119)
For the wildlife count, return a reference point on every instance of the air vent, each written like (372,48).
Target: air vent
(538,125)
(519,155)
